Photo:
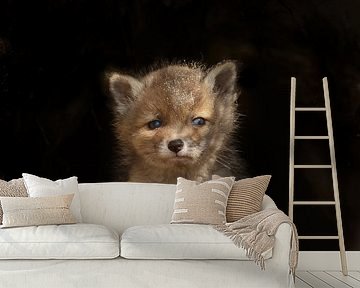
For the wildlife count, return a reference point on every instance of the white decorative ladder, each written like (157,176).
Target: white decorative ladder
(293,166)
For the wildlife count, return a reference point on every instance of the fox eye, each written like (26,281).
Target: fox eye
(154,124)
(198,121)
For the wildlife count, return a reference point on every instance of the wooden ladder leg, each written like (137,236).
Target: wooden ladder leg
(292,147)
(335,179)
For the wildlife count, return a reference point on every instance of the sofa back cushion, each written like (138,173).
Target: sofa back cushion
(120,205)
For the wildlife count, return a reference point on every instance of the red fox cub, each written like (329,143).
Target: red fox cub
(176,121)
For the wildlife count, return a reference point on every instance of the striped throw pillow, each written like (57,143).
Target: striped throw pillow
(201,203)
(246,197)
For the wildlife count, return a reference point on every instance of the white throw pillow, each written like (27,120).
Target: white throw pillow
(72,241)
(181,241)
(42,187)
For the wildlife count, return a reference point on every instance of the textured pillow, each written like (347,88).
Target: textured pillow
(203,203)
(181,241)
(40,187)
(246,197)
(27,211)
(13,188)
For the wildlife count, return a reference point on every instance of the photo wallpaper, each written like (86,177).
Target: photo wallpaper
(72,100)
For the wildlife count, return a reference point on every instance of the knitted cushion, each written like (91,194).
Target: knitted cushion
(13,188)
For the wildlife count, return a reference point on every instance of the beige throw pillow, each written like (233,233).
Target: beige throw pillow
(246,197)
(27,211)
(203,203)
(13,188)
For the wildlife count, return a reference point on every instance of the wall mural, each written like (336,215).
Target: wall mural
(72,78)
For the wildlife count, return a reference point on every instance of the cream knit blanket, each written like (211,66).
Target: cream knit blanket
(256,234)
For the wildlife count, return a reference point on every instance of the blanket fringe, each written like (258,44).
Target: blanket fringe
(256,234)
(239,242)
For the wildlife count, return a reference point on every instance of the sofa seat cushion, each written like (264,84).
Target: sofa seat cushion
(73,241)
(180,241)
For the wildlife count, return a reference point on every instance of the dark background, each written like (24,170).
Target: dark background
(55,119)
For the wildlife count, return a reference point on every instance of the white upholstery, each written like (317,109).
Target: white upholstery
(179,241)
(121,205)
(126,273)
(73,241)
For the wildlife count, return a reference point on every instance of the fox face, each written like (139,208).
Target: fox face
(177,118)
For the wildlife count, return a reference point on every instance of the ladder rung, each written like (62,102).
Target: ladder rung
(310,109)
(314,202)
(319,237)
(313,166)
(311,137)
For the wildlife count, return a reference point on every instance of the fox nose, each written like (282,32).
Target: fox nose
(175,145)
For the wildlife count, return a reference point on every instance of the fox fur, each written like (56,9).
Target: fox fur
(176,121)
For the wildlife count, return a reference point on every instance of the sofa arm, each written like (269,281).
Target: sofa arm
(267,203)
(281,253)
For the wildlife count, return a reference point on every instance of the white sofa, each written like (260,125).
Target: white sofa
(119,206)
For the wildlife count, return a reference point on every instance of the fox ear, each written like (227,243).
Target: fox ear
(222,79)
(124,90)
